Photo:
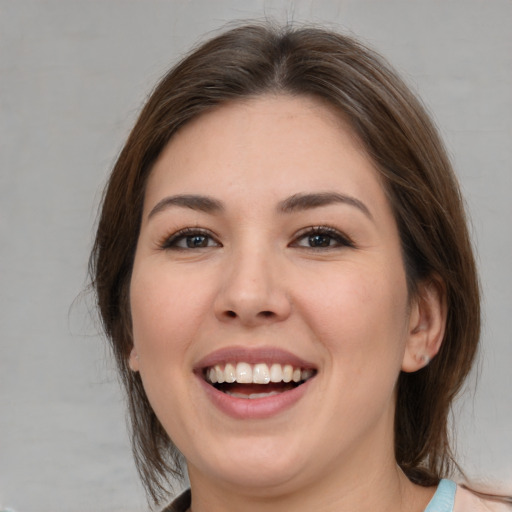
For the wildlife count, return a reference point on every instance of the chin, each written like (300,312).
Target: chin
(262,481)
(260,468)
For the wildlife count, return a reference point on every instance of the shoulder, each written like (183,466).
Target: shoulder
(180,504)
(465,501)
(468,501)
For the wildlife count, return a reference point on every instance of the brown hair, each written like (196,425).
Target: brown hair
(422,189)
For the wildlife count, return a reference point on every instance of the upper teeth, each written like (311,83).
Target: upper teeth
(261,373)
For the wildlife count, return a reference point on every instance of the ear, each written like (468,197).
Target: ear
(133,360)
(427,322)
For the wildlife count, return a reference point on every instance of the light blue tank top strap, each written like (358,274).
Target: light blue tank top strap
(443,499)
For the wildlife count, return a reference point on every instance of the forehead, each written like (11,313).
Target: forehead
(273,144)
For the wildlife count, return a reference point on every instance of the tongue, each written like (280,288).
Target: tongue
(249,389)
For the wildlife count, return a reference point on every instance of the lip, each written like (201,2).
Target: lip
(253,408)
(267,355)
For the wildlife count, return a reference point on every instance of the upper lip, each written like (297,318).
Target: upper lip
(253,355)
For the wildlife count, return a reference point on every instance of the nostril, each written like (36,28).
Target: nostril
(265,314)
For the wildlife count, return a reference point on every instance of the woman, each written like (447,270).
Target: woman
(283,267)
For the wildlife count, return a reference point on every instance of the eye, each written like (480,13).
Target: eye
(190,238)
(322,237)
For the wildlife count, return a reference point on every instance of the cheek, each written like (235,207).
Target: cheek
(360,314)
(166,315)
(167,309)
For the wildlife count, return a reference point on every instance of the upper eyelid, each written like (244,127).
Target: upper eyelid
(167,240)
(320,229)
(328,230)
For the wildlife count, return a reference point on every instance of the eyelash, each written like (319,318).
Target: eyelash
(171,242)
(341,240)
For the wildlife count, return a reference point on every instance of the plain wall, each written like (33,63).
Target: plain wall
(73,75)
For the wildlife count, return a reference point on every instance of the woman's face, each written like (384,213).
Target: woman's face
(268,247)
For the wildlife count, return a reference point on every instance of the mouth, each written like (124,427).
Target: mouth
(255,381)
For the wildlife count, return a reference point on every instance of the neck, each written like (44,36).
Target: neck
(384,490)
(362,478)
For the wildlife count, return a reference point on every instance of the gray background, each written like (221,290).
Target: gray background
(73,74)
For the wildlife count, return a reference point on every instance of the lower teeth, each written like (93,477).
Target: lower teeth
(252,395)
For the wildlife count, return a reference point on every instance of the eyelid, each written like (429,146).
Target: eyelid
(337,235)
(168,242)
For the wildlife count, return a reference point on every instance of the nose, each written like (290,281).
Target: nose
(253,290)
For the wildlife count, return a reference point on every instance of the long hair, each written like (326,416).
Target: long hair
(398,137)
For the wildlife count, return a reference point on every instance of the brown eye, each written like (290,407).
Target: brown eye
(190,239)
(322,238)
(195,241)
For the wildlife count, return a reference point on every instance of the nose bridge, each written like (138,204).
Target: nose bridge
(252,290)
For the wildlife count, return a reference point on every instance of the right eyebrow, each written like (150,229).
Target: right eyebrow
(309,201)
(194,202)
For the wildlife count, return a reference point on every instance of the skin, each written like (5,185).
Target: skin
(259,283)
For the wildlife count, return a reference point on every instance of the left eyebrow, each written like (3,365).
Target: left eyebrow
(194,202)
(319,199)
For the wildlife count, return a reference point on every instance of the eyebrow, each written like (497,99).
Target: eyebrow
(194,202)
(299,202)
(294,203)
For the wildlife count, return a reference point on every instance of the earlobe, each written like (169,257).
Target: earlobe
(133,360)
(427,321)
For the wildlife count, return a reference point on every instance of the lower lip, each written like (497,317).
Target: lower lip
(254,408)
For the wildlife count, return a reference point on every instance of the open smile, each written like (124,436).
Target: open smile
(254,383)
